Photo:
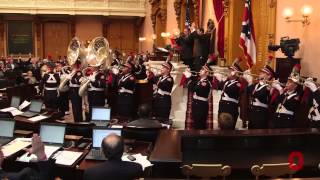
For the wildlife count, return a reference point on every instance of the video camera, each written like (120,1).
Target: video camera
(288,46)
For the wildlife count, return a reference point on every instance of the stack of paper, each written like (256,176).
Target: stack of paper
(49,150)
(140,159)
(14,111)
(8,109)
(37,118)
(15,146)
(67,158)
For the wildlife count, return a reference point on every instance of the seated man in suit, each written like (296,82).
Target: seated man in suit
(144,121)
(114,167)
(45,166)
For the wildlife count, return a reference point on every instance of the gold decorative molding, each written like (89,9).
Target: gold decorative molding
(177,9)
(76,7)
(158,9)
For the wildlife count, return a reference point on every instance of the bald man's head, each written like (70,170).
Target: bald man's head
(113,147)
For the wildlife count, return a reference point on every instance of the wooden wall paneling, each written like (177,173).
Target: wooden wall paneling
(56,38)
(2,35)
(127,36)
(114,34)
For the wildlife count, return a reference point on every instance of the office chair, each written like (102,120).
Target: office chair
(206,171)
(272,170)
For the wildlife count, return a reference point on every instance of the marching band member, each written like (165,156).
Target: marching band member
(116,59)
(140,69)
(201,93)
(229,101)
(314,112)
(96,89)
(126,87)
(162,92)
(63,100)
(74,85)
(260,98)
(49,84)
(288,102)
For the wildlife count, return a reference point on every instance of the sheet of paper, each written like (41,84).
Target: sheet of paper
(37,118)
(67,158)
(140,159)
(16,112)
(15,146)
(24,104)
(49,150)
(8,109)
(117,126)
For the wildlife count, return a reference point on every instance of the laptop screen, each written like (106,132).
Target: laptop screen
(7,128)
(100,114)
(99,134)
(15,101)
(52,133)
(35,106)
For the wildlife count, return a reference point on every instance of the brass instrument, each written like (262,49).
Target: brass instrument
(98,56)
(73,53)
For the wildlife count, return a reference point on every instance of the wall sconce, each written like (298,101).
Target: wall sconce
(306,11)
(141,39)
(154,36)
(165,34)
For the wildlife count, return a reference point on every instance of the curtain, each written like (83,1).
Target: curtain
(218,9)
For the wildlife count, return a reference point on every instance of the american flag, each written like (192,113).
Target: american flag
(247,37)
(188,19)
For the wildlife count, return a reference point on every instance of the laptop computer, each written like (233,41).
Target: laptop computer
(100,116)
(52,134)
(7,130)
(98,133)
(34,109)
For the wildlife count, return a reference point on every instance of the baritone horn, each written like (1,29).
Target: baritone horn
(74,52)
(98,57)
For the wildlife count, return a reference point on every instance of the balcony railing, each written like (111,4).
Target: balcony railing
(76,7)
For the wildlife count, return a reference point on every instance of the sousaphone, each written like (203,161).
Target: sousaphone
(98,57)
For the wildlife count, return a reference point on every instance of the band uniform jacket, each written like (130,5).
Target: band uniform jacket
(314,102)
(162,96)
(96,90)
(259,95)
(201,90)
(140,72)
(230,96)
(50,81)
(288,104)
(162,90)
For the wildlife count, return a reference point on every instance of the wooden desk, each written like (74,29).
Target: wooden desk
(229,148)
(22,123)
(62,171)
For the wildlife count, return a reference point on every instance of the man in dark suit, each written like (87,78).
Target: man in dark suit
(186,41)
(114,167)
(45,166)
